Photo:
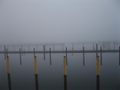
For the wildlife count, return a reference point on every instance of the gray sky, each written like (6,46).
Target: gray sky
(36,21)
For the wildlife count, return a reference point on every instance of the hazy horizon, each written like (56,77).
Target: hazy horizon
(45,21)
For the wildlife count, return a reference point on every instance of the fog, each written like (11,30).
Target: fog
(38,21)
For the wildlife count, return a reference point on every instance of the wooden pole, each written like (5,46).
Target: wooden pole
(83,55)
(36,71)
(50,56)
(44,51)
(97,69)
(65,72)
(96,50)
(66,55)
(119,55)
(72,49)
(5,54)
(20,56)
(101,56)
(97,73)
(8,72)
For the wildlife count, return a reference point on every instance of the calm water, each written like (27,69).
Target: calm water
(51,76)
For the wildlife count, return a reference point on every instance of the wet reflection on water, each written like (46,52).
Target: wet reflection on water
(80,69)
(51,77)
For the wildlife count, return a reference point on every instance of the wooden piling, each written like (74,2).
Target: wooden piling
(5,54)
(50,56)
(83,55)
(97,73)
(101,57)
(44,51)
(8,72)
(36,71)
(96,50)
(66,55)
(65,72)
(119,55)
(72,50)
(34,52)
(20,54)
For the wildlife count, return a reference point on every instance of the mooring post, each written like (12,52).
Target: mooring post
(34,52)
(97,73)
(65,72)
(96,50)
(72,49)
(44,51)
(5,52)
(20,54)
(83,55)
(101,56)
(8,72)
(35,70)
(66,54)
(50,56)
(97,69)
(119,55)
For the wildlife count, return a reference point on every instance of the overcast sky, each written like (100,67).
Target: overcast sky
(37,21)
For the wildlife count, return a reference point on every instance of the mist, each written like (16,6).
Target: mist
(91,66)
(38,21)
